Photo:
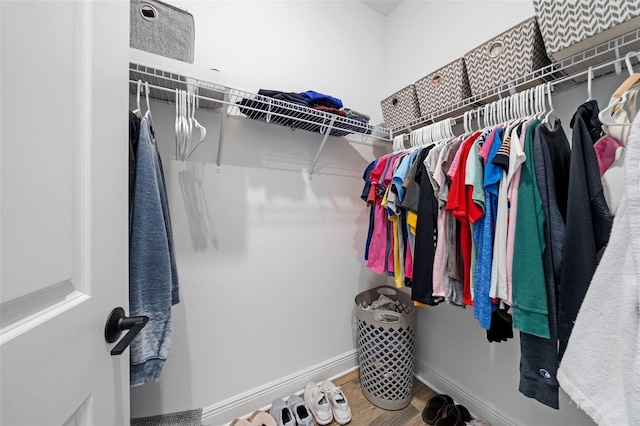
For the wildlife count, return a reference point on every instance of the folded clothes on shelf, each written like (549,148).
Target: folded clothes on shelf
(355,115)
(292,112)
(331,110)
(315,98)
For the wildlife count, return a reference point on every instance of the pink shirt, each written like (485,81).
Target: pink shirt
(606,152)
(378,244)
(517,143)
(486,147)
(440,257)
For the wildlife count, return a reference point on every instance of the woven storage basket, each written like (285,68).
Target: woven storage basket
(442,88)
(401,107)
(512,54)
(160,28)
(386,348)
(572,26)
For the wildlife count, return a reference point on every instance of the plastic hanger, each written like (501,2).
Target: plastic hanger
(147,114)
(137,110)
(540,102)
(550,101)
(177,124)
(589,80)
(633,79)
(622,96)
(606,115)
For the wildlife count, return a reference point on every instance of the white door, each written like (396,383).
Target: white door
(63,210)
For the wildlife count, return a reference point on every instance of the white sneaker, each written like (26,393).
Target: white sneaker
(338,401)
(317,401)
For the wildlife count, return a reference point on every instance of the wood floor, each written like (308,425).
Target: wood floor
(366,414)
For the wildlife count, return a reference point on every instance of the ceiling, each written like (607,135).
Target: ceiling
(384,7)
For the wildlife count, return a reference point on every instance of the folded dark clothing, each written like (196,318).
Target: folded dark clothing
(352,114)
(284,96)
(291,97)
(331,110)
(357,118)
(322,102)
(311,96)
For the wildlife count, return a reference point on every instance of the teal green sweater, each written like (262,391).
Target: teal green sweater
(530,309)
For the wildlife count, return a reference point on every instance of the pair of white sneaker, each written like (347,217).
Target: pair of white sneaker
(327,402)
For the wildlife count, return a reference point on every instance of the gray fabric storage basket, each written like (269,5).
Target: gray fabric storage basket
(443,87)
(401,107)
(386,348)
(162,29)
(512,54)
(573,26)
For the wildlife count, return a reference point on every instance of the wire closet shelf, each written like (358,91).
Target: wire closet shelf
(163,84)
(604,59)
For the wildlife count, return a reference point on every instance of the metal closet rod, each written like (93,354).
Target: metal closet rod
(555,82)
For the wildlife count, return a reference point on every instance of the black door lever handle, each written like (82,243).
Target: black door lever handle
(117,323)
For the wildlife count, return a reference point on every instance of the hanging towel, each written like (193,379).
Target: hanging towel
(600,370)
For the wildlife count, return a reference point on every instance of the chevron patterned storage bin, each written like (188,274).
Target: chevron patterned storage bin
(572,26)
(443,88)
(401,107)
(512,54)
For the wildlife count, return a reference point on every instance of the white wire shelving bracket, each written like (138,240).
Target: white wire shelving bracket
(605,59)
(165,75)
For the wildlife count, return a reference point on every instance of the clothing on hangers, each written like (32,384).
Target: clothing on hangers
(601,364)
(588,220)
(153,279)
(464,210)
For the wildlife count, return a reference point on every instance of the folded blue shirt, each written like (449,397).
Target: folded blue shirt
(311,96)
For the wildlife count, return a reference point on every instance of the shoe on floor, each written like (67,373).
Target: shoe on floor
(338,401)
(318,403)
(260,418)
(300,412)
(281,412)
(454,415)
(433,410)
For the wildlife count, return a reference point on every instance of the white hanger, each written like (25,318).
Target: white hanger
(589,80)
(147,114)
(546,117)
(203,130)
(606,115)
(177,124)
(465,122)
(540,105)
(137,110)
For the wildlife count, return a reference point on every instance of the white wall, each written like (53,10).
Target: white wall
(269,261)
(333,47)
(423,36)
